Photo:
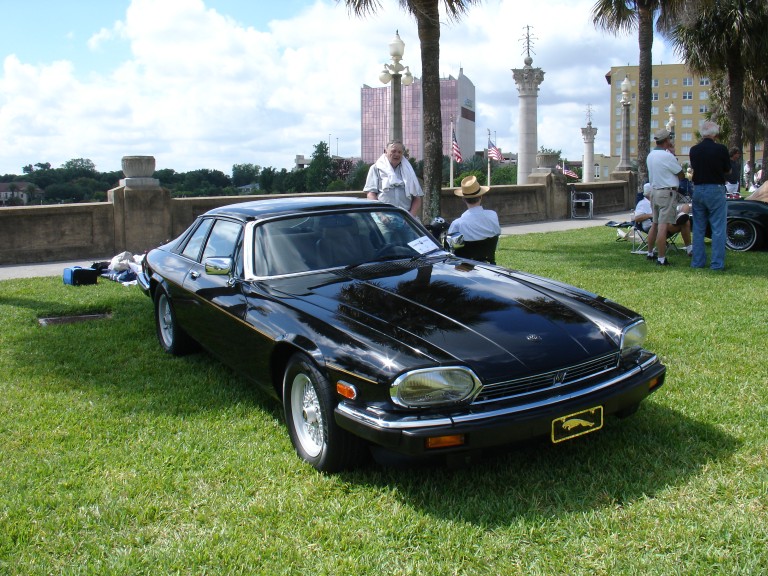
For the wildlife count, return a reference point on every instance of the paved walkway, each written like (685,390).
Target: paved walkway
(56,268)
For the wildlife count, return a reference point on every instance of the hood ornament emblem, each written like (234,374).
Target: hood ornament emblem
(533,338)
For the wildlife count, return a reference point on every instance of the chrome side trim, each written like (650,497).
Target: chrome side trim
(371,419)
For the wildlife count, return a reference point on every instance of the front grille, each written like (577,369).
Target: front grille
(555,381)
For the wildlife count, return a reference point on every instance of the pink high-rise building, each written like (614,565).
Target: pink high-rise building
(457,99)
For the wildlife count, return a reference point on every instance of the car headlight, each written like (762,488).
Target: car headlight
(633,338)
(430,387)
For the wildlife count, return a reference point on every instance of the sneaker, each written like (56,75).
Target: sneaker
(650,257)
(665,263)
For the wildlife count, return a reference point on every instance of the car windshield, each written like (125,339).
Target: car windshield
(339,239)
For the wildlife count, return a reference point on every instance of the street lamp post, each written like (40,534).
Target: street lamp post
(671,123)
(624,164)
(393,72)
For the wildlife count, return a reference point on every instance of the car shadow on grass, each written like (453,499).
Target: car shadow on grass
(627,461)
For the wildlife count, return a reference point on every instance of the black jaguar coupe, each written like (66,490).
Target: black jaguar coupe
(371,334)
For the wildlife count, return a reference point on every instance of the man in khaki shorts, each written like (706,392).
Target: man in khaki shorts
(664,174)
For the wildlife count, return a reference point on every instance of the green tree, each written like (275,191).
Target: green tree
(625,16)
(726,36)
(244,174)
(342,167)
(32,192)
(505,174)
(479,174)
(77,168)
(336,186)
(319,173)
(427,15)
(267,180)
(357,176)
(294,181)
(12,188)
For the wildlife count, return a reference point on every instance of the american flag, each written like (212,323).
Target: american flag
(493,152)
(567,172)
(456,149)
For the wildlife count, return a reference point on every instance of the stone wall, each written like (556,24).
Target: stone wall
(138,220)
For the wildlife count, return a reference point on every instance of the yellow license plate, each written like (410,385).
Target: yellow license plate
(577,424)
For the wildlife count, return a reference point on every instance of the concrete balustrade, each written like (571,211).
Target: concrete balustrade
(140,215)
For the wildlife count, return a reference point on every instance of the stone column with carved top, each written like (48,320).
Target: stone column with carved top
(527,79)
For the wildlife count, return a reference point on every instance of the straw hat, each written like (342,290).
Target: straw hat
(470,188)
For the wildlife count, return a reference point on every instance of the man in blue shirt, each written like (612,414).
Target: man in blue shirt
(475,223)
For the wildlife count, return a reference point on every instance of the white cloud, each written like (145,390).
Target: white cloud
(202,90)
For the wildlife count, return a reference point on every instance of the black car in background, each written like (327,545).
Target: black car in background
(351,314)
(747,224)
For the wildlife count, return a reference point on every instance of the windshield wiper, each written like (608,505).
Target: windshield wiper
(425,254)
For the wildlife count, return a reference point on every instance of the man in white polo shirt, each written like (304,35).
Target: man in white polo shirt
(664,175)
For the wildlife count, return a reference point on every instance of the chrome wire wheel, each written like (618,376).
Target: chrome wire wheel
(307,415)
(740,235)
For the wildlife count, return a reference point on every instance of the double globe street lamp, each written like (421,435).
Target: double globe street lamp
(393,73)
(671,123)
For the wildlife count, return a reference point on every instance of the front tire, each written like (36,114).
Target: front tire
(309,402)
(170,335)
(741,235)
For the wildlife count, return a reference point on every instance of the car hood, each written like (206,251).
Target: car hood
(501,323)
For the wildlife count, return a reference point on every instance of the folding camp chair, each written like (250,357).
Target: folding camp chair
(581,203)
(631,231)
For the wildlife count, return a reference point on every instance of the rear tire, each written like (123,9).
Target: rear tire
(309,402)
(742,235)
(171,337)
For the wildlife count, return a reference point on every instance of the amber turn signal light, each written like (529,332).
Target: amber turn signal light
(445,441)
(346,390)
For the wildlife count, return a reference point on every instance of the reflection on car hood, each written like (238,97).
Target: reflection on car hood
(500,323)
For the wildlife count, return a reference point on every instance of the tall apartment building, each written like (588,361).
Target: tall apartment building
(671,84)
(457,99)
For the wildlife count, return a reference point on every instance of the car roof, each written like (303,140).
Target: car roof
(258,209)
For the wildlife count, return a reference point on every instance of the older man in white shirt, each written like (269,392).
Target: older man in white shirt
(393,181)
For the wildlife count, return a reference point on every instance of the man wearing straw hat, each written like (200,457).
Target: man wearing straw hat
(475,223)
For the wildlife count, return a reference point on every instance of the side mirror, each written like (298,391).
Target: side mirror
(455,241)
(218,266)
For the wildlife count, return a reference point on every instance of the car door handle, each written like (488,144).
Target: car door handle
(194,275)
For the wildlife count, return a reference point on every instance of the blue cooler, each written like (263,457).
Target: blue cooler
(77,276)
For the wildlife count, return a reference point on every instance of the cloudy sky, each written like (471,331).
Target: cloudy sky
(212,83)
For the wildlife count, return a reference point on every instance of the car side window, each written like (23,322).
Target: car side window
(195,242)
(222,240)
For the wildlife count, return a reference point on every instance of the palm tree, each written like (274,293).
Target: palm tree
(727,36)
(754,109)
(624,16)
(427,16)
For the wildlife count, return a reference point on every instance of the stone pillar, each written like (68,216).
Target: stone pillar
(587,166)
(527,80)
(624,158)
(142,207)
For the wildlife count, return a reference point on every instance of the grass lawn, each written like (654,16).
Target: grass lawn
(118,459)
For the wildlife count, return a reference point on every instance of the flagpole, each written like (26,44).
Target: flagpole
(489,158)
(450,181)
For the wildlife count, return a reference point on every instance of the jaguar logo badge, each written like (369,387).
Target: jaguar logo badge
(576,423)
(560,377)
(533,338)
